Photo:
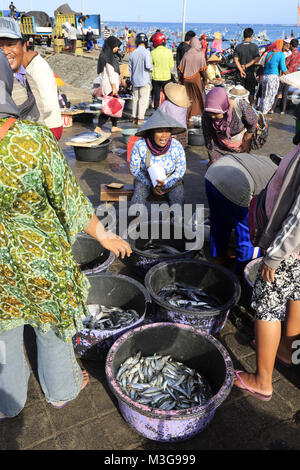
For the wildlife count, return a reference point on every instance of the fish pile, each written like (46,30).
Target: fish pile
(161,383)
(152,248)
(109,318)
(182,295)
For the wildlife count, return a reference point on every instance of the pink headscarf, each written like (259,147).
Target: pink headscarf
(217,101)
(193,60)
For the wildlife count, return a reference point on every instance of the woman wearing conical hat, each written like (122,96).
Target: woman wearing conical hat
(157,148)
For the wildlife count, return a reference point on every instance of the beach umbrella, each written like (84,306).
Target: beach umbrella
(59,81)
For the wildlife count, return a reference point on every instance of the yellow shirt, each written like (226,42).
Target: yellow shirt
(163,62)
(213,72)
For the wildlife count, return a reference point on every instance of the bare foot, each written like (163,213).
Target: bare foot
(98,130)
(116,129)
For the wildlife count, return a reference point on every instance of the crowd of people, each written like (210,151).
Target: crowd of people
(43,207)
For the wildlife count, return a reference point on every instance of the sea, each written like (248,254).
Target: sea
(231,33)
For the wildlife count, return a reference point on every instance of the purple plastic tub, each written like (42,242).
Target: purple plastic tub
(209,277)
(111,290)
(141,262)
(183,343)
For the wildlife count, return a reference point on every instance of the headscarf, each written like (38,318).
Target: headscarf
(276,46)
(154,148)
(218,102)
(193,60)
(8,108)
(107,56)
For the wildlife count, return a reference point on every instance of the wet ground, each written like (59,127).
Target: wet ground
(93,421)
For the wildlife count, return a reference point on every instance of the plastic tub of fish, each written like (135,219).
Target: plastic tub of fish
(251,271)
(90,255)
(161,241)
(192,292)
(169,379)
(116,303)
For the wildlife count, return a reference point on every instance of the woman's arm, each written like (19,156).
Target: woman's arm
(135,167)
(287,239)
(212,151)
(180,168)
(110,241)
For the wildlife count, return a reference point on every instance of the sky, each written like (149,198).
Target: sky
(197,11)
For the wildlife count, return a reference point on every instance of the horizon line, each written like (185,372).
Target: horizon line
(202,22)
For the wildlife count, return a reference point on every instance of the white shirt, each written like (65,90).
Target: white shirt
(107,78)
(44,88)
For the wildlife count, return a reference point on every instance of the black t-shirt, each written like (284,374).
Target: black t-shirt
(181,50)
(247,51)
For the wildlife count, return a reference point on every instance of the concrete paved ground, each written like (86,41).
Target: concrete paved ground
(93,421)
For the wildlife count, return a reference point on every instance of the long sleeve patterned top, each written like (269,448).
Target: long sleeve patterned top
(243,117)
(42,208)
(174,162)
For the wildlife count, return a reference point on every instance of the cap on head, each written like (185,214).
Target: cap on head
(9,28)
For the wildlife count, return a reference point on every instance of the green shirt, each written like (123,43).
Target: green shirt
(42,208)
(163,63)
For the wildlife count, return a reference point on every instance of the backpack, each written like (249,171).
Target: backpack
(262,131)
(260,136)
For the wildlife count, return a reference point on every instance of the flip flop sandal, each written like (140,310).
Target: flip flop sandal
(245,389)
(280,361)
(64,403)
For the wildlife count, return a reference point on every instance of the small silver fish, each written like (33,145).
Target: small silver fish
(162,383)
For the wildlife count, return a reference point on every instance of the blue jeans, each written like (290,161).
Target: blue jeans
(141,193)
(225,216)
(59,373)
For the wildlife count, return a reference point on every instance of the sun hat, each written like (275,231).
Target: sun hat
(9,28)
(238,91)
(214,58)
(159,120)
(288,40)
(218,36)
(177,94)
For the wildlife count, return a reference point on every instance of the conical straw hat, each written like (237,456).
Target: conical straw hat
(159,120)
(177,94)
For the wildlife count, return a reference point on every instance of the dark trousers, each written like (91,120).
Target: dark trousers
(283,89)
(72,45)
(103,118)
(156,87)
